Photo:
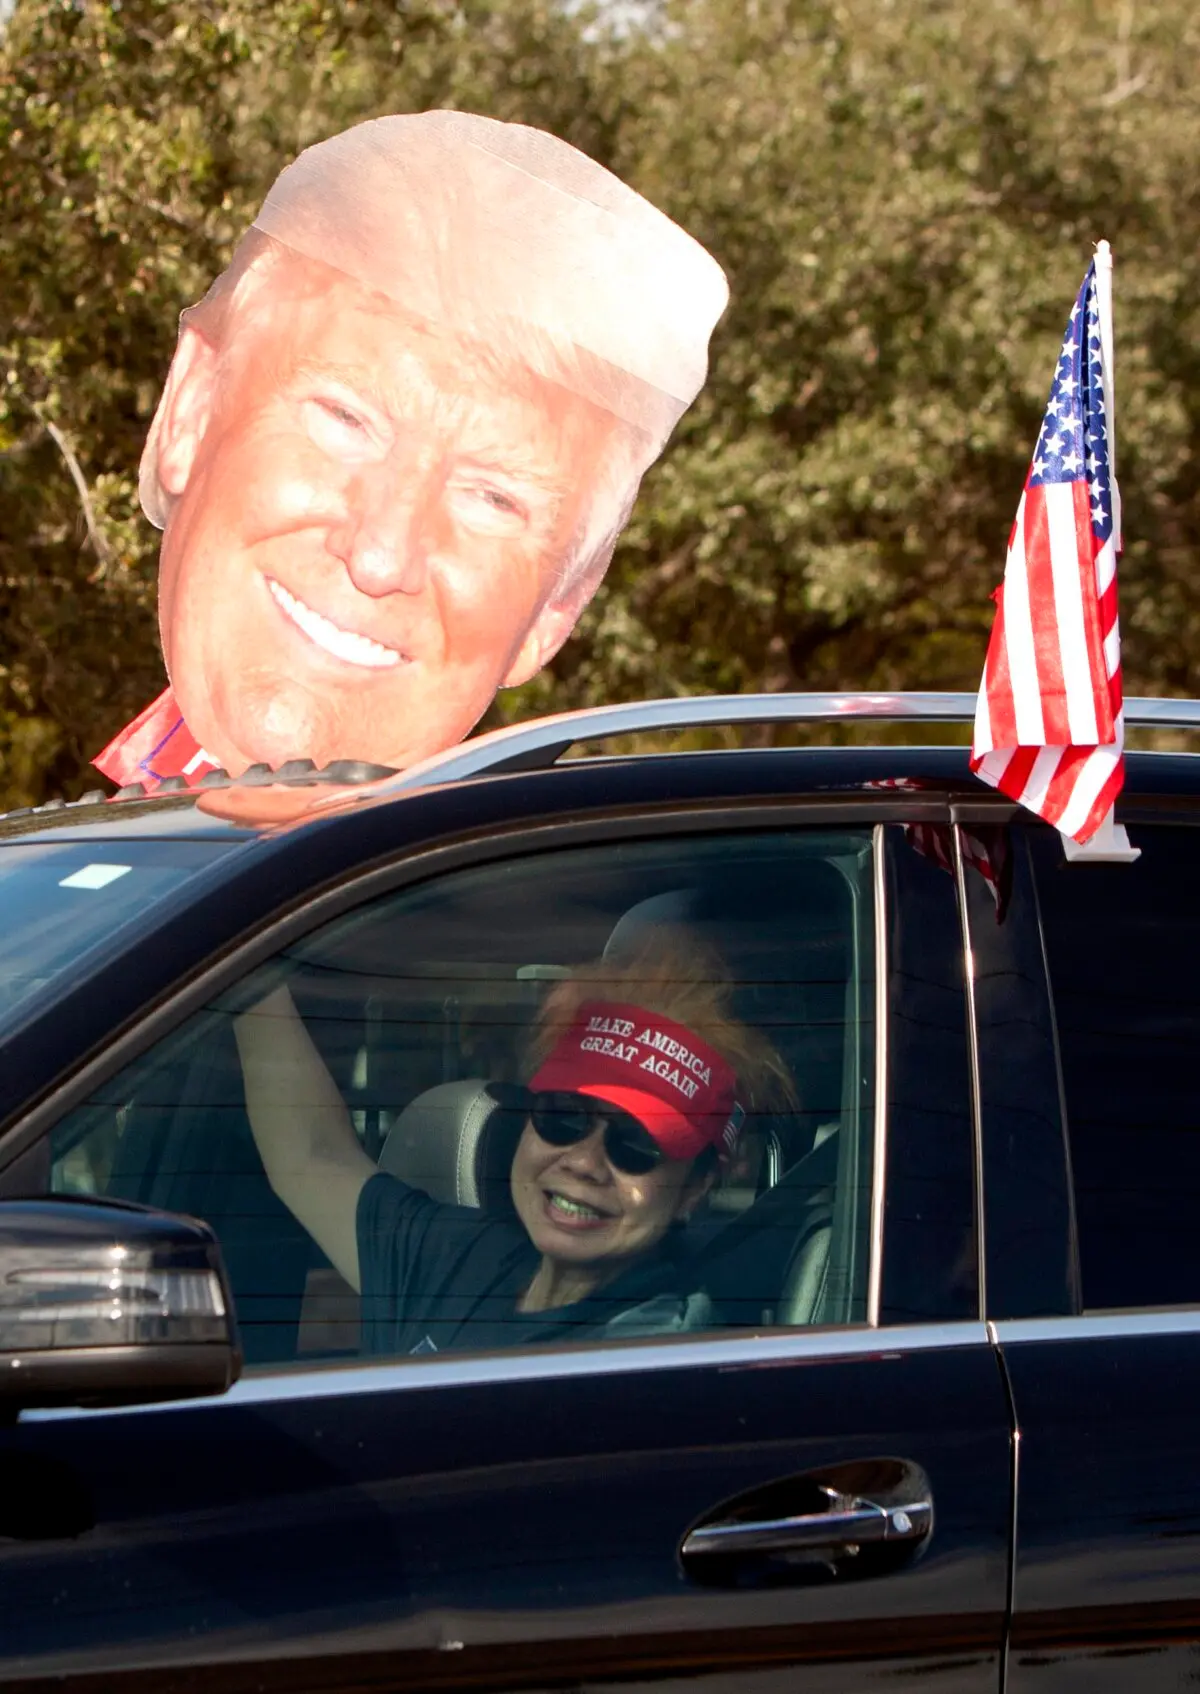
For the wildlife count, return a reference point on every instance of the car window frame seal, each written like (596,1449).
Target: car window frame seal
(968,964)
(880,1114)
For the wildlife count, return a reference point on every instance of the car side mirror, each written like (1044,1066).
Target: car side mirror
(106,1303)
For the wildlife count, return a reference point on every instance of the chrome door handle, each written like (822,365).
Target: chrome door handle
(850,1522)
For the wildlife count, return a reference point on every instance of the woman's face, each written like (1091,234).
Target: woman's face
(578,1210)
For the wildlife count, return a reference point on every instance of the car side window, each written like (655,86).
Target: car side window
(590,1094)
(1121,944)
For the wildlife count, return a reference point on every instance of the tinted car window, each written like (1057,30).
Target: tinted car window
(1122,943)
(60,899)
(929,1225)
(419,1000)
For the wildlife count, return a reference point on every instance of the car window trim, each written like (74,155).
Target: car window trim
(727,1351)
(425,864)
(880,1116)
(1098,1326)
(968,958)
(1076,1269)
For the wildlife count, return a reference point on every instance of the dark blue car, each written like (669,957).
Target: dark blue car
(925,1411)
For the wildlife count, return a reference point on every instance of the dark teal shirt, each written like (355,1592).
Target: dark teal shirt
(437,1277)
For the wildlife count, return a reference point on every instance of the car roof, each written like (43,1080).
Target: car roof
(808,771)
(262,802)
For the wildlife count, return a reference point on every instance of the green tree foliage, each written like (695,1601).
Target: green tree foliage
(905,197)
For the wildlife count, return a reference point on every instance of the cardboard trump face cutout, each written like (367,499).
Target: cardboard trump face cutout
(399,438)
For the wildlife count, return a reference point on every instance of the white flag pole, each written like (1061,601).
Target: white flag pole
(1110,844)
(1104,272)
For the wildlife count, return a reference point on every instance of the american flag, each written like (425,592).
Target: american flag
(1049,730)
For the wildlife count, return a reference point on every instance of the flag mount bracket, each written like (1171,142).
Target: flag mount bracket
(1110,845)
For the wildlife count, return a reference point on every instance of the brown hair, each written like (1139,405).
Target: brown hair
(675,974)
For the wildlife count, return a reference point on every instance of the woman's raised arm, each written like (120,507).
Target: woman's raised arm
(302,1128)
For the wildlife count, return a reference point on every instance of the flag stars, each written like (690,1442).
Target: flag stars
(1072,444)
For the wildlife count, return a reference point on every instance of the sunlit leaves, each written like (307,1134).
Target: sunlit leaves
(905,198)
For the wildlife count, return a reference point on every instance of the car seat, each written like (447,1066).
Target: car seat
(770,1264)
(456,1142)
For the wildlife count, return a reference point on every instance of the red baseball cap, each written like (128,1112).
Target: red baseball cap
(660,1072)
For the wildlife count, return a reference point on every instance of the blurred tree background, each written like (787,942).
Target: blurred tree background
(904,193)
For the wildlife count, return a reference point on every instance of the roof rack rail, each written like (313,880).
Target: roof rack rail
(295,773)
(542,742)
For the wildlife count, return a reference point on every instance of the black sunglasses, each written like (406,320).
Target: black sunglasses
(563,1119)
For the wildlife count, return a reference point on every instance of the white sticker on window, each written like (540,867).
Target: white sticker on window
(94,876)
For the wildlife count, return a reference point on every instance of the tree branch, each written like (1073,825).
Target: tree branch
(1127,82)
(102,549)
(1124,90)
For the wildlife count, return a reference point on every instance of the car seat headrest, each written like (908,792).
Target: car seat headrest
(676,906)
(456,1143)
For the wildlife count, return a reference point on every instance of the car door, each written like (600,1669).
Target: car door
(814,1483)
(1094,1274)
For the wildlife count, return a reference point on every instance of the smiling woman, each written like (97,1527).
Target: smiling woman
(629,1115)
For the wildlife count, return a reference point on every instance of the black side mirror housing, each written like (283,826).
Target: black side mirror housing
(106,1303)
